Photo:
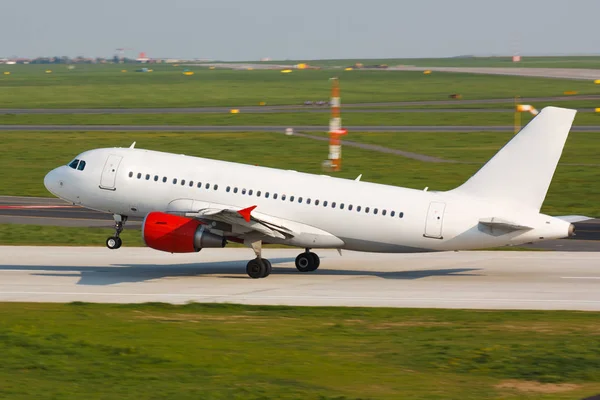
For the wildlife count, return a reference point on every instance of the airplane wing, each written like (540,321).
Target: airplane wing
(242,220)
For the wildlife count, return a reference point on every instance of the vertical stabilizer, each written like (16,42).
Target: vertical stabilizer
(521,172)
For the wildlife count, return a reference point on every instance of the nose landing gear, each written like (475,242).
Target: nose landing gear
(114,242)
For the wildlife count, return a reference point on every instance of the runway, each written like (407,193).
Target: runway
(560,73)
(270,128)
(349,107)
(476,280)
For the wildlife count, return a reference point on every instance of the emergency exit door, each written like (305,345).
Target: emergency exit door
(435,220)
(109,173)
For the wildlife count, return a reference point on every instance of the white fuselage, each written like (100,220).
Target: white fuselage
(358,215)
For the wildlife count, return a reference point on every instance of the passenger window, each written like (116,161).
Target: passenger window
(250,192)
(139,175)
(401,215)
(308,201)
(81,165)
(274,196)
(191,183)
(342,206)
(325,203)
(383,212)
(292,198)
(375,211)
(174,181)
(73,164)
(155,178)
(267,195)
(392,213)
(333,205)
(199,185)
(182,182)
(164,179)
(283,197)
(215,187)
(147,177)
(228,189)
(316,202)
(131,174)
(358,208)
(350,207)
(243,191)
(367,210)
(299,199)
(234,190)
(207,186)
(258,193)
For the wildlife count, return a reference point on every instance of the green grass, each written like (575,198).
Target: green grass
(37,235)
(105,86)
(291,119)
(156,351)
(574,189)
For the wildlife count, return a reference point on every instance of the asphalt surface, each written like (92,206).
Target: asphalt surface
(476,280)
(55,212)
(269,128)
(561,73)
(351,107)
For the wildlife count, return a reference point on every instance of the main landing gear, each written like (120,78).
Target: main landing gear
(307,261)
(261,267)
(114,242)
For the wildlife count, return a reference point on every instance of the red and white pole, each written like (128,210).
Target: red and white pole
(335,127)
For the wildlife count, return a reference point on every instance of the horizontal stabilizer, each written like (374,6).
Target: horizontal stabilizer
(495,222)
(574,218)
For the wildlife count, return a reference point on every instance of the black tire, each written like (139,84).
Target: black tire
(316,261)
(268,267)
(255,269)
(119,243)
(304,262)
(113,242)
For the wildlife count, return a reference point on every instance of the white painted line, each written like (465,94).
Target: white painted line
(580,277)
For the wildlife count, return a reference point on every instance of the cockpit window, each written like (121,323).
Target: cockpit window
(74,163)
(81,165)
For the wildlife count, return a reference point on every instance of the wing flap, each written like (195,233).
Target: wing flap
(242,218)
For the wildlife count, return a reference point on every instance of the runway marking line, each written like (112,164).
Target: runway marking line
(580,277)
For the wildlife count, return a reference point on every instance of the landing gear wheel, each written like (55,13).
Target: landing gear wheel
(114,242)
(305,262)
(268,267)
(316,261)
(255,269)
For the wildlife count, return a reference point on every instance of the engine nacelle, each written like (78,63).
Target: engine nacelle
(176,234)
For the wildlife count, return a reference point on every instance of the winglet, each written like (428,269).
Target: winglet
(132,145)
(246,213)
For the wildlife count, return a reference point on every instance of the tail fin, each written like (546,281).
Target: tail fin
(521,172)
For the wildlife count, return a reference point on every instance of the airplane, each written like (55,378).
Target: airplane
(190,203)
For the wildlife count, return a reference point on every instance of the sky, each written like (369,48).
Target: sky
(236,30)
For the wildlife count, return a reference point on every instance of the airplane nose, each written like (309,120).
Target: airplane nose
(51,181)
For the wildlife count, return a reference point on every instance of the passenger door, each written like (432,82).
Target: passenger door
(109,173)
(435,220)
